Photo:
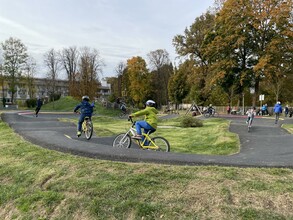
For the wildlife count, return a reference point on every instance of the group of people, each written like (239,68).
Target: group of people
(278,109)
(149,124)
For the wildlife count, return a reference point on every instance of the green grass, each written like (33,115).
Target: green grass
(288,127)
(63,104)
(37,183)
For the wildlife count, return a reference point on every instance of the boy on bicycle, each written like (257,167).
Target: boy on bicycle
(250,115)
(150,121)
(86,110)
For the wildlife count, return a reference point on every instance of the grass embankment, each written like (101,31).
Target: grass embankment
(40,184)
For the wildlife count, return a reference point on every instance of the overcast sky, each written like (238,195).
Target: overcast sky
(118,29)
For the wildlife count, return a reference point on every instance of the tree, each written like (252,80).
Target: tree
(178,86)
(29,73)
(240,41)
(162,70)
(69,59)
(190,45)
(120,71)
(14,56)
(52,62)
(90,66)
(139,80)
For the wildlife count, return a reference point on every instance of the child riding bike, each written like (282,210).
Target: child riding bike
(150,121)
(250,116)
(86,110)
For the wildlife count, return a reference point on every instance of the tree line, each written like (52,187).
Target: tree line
(235,51)
(81,65)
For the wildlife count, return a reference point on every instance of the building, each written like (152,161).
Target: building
(40,88)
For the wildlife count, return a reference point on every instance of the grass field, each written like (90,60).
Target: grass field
(40,184)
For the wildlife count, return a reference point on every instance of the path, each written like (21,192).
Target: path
(267,145)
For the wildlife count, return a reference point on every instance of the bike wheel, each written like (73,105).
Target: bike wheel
(162,143)
(207,115)
(122,140)
(89,130)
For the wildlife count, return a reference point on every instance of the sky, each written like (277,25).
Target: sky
(118,29)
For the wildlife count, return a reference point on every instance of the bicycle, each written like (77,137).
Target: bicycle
(124,114)
(212,113)
(87,127)
(157,143)
(249,124)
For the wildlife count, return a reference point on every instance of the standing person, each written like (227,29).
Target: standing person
(150,121)
(39,105)
(250,115)
(286,110)
(277,111)
(228,109)
(86,110)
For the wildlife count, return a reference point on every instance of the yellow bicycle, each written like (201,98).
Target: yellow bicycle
(124,140)
(87,127)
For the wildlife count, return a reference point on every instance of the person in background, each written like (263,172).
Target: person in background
(250,115)
(150,121)
(277,111)
(228,109)
(39,105)
(86,110)
(286,110)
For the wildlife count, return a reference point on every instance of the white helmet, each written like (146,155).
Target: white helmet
(150,103)
(278,102)
(86,98)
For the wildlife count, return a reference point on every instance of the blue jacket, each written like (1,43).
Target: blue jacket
(278,108)
(85,108)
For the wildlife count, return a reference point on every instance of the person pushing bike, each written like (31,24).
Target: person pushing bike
(150,121)
(86,110)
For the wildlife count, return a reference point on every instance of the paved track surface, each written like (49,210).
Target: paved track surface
(266,145)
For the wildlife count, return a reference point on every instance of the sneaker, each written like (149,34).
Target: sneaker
(78,134)
(137,137)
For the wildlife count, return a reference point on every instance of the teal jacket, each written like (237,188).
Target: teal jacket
(150,114)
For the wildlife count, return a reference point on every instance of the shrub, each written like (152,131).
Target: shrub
(189,121)
(31,103)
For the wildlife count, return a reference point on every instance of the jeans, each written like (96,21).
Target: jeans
(81,119)
(143,124)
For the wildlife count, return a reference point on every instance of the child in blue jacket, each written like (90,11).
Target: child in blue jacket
(277,111)
(86,110)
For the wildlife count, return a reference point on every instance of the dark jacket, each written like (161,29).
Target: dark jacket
(85,108)
(39,103)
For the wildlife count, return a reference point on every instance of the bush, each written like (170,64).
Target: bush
(189,121)
(31,103)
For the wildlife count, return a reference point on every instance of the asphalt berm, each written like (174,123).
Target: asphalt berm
(267,145)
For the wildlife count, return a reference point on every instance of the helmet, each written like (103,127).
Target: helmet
(150,103)
(211,105)
(85,98)
(278,102)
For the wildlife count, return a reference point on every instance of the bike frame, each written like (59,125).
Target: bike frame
(141,143)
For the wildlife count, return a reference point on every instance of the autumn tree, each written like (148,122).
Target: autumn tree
(162,69)
(190,46)
(139,88)
(90,66)
(240,41)
(14,59)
